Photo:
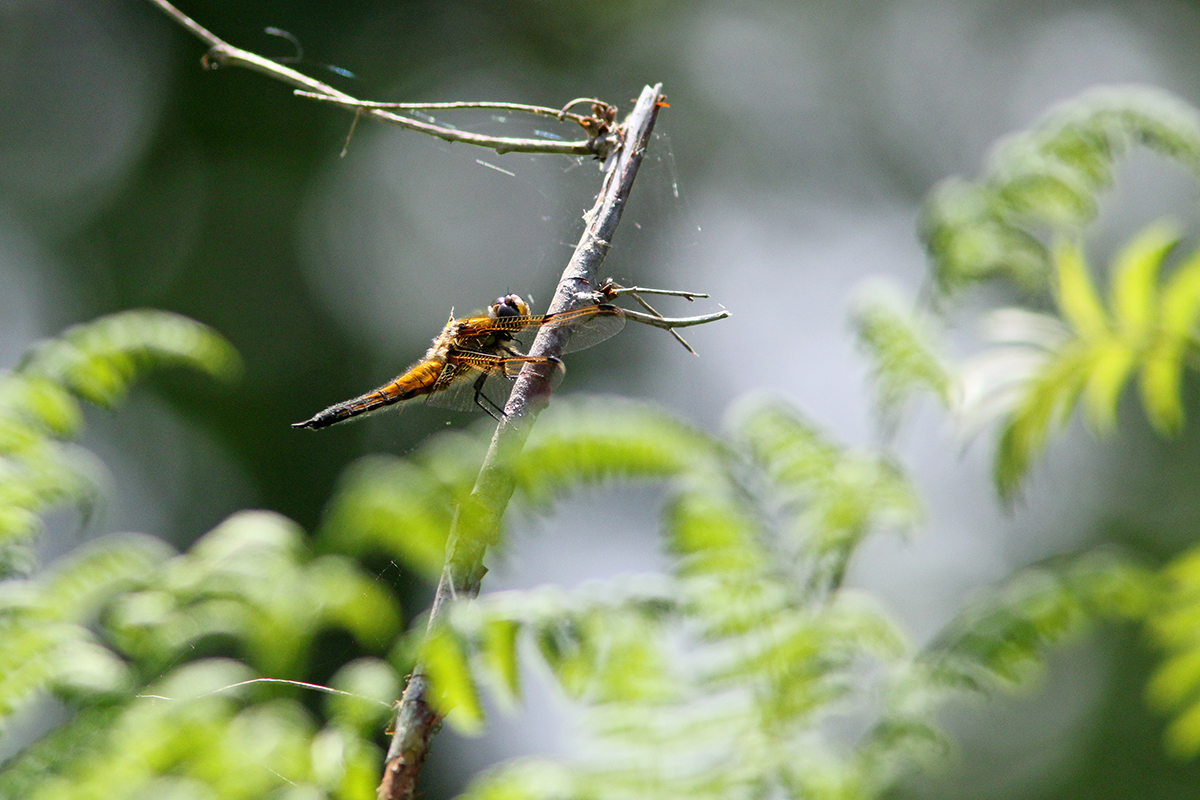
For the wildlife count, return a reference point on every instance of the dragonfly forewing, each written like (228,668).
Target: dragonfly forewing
(588,326)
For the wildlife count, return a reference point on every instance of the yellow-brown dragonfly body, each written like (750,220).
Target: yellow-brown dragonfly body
(472,353)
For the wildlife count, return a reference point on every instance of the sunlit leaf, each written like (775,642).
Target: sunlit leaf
(444,658)
(1181,299)
(1134,283)
(1076,292)
(1112,362)
(1174,687)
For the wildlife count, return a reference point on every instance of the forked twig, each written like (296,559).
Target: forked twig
(610,291)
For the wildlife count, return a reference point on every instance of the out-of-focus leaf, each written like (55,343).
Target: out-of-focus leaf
(352,600)
(1042,367)
(98,360)
(1134,282)
(1162,368)
(95,361)
(393,506)
(1000,638)
(252,581)
(444,657)
(524,780)
(602,439)
(1181,299)
(1175,686)
(1050,175)
(1111,364)
(44,402)
(1076,292)
(43,643)
(374,687)
(500,656)
(902,360)
(832,498)
(1159,385)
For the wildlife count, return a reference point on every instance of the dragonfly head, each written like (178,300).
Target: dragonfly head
(510,305)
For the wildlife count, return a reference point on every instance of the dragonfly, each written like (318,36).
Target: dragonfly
(473,362)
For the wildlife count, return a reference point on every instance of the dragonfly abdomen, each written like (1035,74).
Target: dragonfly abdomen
(418,381)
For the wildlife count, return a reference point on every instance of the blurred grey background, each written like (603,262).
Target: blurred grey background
(800,140)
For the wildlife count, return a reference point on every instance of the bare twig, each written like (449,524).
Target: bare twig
(667,323)
(610,291)
(542,111)
(464,570)
(223,54)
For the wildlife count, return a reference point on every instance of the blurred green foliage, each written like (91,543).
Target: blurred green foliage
(1023,221)
(188,675)
(134,642)
(1049,177)
(748,669)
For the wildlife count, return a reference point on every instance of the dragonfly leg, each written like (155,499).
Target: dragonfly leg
(485,402)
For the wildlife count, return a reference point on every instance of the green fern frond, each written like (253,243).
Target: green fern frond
(601,439)
(190,735)
(38,407)
(44,644)
(1050,176)
(902,359)
(98,360)
(92,627)
(830,498)
(735,652)
(599,642)
(1174,688)
(251,579)
(1002,637)
(1043,368)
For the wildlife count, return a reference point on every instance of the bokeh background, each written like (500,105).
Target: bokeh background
(785,179)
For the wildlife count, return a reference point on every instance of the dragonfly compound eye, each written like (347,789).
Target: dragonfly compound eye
(511,305)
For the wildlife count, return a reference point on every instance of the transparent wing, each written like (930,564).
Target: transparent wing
(472,381)
(589,325)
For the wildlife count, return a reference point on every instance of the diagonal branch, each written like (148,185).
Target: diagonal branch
(478,519)
(223,54)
